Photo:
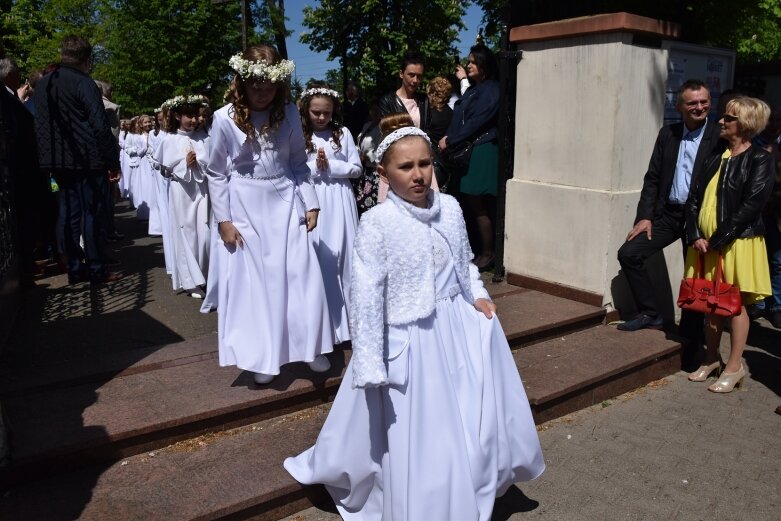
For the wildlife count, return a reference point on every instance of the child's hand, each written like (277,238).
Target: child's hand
(230,235)
(486,307)
(311,219)
(191,159)
(321,161)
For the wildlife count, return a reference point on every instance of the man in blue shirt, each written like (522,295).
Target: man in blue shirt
(678,154)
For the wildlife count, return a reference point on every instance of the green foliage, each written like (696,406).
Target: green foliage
(370,37)
(156,49)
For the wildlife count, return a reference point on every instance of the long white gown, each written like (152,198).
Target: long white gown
(272,305)
(451,432)
(162,184)
(188,207)
(155,220)
(338,221)
(143,186)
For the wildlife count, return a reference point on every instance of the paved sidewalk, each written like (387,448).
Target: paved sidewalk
(669,451)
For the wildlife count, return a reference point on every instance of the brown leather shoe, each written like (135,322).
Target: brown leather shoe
(778,409)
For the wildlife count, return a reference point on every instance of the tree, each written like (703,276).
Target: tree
(748,26)
(156,49)
(370,37)
(31,29)
(269,22)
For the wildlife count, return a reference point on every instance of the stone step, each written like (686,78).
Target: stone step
(238,474)
(125,404)
(528,317)
(582,369)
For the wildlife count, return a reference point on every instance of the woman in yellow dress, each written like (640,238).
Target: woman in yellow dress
(723,216)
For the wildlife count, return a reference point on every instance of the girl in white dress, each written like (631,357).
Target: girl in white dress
(124,128)
(435,413)
(272,306)
(184,155)
(143,183)
(162,182)
(333,160)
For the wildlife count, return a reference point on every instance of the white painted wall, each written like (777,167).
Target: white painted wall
(587,115)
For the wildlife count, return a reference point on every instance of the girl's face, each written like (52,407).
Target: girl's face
(146,124)
(408,168)
(260,94)
(321,108)
(187,122)
(411,77)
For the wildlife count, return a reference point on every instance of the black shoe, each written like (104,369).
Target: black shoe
(114,237)
(642,321)
(755,312)
(75,277)
(775,318)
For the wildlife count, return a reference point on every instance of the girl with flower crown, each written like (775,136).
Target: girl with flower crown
(272,308)
(432,405)
(183,156)
(333,160)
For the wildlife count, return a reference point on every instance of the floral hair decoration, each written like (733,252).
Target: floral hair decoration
(395,136)
(261,70)
(178,102)
(322,91)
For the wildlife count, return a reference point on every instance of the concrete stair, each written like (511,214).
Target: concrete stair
(173,436)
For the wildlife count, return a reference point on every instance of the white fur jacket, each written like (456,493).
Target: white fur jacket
(393,274)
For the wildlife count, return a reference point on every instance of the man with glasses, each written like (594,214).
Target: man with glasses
(676,160)
(76,145)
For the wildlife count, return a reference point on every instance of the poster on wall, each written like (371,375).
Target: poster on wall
(714,66)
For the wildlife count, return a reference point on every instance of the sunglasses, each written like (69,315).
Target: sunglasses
(729,118)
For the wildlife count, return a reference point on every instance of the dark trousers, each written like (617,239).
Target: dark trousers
(633,255)
(82,212)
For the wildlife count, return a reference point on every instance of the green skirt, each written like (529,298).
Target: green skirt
(482,175)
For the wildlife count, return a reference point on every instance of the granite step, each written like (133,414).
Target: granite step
(238,474)
(527,316)
(584,368)
(125,404)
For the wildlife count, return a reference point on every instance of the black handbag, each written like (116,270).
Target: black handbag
(457,157)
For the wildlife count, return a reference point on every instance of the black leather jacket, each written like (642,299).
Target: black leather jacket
(744,188)
(391,104)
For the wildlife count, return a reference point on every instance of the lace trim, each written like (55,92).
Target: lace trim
(258,178)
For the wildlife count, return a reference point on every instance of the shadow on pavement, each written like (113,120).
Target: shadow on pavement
(68,341)
(513,502)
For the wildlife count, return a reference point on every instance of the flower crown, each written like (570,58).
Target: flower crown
(322,91)
(261,70)
(183,101)
(395,136)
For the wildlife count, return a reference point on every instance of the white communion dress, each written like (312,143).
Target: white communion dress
(272,305)
(450,432)
(334,236)
(162,184)
(188,207)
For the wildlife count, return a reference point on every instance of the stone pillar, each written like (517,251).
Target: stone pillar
(590,103)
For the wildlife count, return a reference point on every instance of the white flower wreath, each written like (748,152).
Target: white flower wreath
(261,70)
(319,90)
(182,101)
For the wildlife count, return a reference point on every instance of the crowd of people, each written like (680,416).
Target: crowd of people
(713,184)
(309,224)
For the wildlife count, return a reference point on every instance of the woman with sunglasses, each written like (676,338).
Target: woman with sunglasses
(723,217)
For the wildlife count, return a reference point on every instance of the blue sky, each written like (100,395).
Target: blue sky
(314,65)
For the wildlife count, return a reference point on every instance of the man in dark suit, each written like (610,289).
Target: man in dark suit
(677,158)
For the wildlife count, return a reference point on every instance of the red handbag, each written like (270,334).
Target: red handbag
(712,297)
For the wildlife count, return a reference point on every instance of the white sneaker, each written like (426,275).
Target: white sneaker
(320,364)
(263,379)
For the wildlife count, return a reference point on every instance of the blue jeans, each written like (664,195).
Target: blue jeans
(82,212)
(773,243)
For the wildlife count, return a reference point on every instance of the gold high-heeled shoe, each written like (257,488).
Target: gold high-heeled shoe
(702,374)
(728,381)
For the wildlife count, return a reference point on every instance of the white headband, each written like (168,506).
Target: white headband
(395,136)
(319,90)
